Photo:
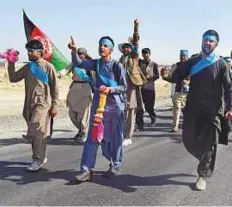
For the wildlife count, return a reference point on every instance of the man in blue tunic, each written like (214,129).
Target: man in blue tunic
(110,79)
(205,117)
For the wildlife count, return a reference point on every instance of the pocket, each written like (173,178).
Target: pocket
(39,96)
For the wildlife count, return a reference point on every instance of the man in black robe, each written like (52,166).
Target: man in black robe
(205,115)
(228,60)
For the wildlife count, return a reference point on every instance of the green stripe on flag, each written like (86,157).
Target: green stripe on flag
(58,60)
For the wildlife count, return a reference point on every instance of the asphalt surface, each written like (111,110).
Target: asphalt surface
(157,170)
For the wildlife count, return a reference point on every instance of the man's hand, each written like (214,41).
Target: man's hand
(228,115)
(148,76)
(130,40)
(104,89)
(72,46)
(164,72)
(136,22)
(53,112)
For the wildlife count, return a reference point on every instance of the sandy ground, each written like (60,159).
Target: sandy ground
(12,94)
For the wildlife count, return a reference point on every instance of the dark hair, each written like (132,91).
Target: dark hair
(212,32)
(87,57)
(146,50)
(194,55)
(107,37)
(126,45)
(34,44)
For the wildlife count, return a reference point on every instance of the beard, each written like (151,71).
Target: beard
(32,58)
(207,49)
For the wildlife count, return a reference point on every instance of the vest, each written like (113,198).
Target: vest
(180,86)
(132,69)
(150,84)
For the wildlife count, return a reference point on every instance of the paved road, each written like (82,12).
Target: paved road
(157,171)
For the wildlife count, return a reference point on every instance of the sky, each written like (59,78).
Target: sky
(166,27)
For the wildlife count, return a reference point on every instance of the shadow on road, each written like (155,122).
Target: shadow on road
(11,141)
(128,183)
(166,117)
(176,137)
(16,172)
(54,130)
(52,141)
(63,130)
(164,109)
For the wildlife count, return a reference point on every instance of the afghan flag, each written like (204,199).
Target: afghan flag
(51,53)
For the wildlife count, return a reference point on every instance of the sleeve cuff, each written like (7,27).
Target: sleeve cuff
(112,90)
(54,106)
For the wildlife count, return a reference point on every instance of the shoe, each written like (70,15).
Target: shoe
(139,129)
(174,130)
(84,176)
(127,142)
(80,140)
(201,183)
(80,137)
(45,160)
(35,166)
(153,120)
(111,172)
(76,136)
(153,124)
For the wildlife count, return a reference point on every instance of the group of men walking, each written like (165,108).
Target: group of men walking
(107,97)
(140,94)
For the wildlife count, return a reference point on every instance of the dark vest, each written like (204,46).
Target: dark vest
(148,69)
(179,85)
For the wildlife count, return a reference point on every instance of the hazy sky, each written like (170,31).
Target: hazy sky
(165,27)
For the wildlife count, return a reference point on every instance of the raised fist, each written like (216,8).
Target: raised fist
(228,115)
(72,46)
(130,40)
(104,89)
(136,22)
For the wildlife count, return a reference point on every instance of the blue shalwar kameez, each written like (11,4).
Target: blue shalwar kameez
(113,118)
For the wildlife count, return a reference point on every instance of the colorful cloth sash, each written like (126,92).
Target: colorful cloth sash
(104,75)
(83,75)
(203,63)
(97,131)
(38,72)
